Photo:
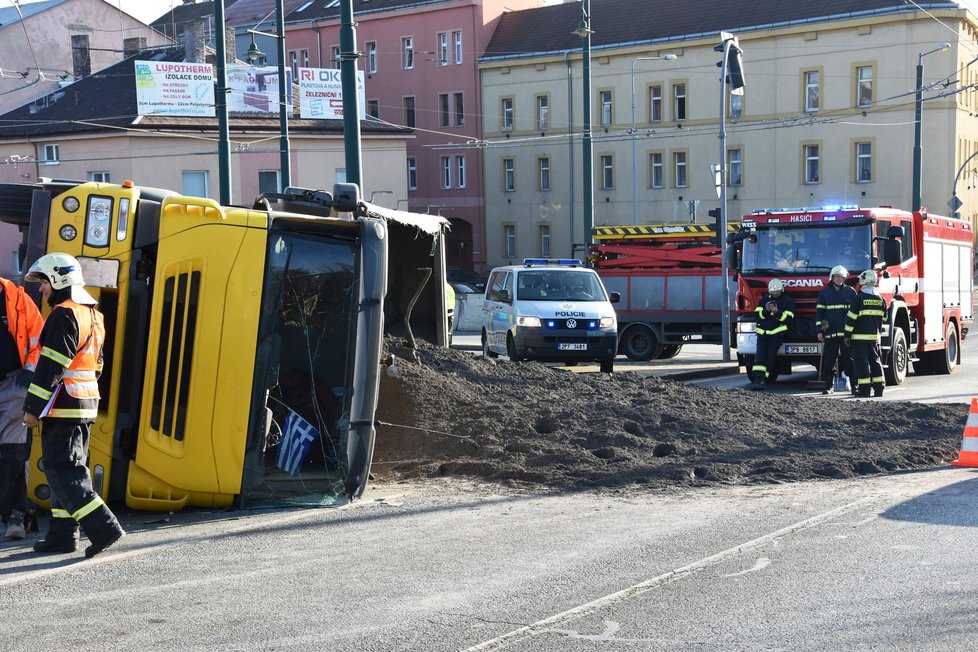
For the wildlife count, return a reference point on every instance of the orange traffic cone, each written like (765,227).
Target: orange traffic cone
(969,443)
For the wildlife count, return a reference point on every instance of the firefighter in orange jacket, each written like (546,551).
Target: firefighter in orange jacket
(65,395)
(19,352)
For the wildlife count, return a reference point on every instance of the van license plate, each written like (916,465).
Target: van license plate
(572,347)
(802,349)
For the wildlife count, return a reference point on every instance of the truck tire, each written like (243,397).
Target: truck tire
(899,359)
(640,343)
(669,351)
(944,361)
(608,365)
(485,346)
(511,350)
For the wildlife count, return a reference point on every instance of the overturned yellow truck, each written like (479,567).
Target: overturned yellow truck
(243,345)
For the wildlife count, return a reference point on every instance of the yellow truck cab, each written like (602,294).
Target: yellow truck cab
(552,310)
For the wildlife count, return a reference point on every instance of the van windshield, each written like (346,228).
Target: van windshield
(559,285)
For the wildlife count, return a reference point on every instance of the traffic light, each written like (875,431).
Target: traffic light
(717,227)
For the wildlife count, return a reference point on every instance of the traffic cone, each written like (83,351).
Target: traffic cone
(969,443)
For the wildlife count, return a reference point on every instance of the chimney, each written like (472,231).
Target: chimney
(230,45)
(131,46)
(81,56)
(193,41)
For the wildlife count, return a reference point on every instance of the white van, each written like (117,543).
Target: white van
(552,310)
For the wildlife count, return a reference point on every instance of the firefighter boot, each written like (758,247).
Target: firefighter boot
(878,389)
(15,526)
(103,530)
(62,537)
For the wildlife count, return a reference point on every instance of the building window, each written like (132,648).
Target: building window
(655,103)
(506,110)
(99,177)
(543,173)
(607,110)
(735,168)
(864,85)
(294,63)
(446,172)
(543,112)
(811,90)
(736,105)
(50,154)
(443,49)
(194,183)
(335,54)
(412,173)
(679,169)
(268,181)
(864,162)
(409,112)
(509,240)
(373,108)
(678,102)
(407,52)
(811,163)
(655,163)
(457,40)
(543,240)
(460,170)
(607,172)
(304,59)
(443,117)
(459,110)
(509,175)
(371,57)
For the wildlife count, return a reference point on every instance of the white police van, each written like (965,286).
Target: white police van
(552,310)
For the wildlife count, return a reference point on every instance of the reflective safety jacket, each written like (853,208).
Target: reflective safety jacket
(66,380)
(24,322)
(771,323)
(831,309)
(864,320)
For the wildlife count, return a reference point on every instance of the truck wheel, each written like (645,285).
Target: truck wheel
(640,343)
(896,369)
(946,361)
(511,350)
(669,351)
(485,346)
(608,365)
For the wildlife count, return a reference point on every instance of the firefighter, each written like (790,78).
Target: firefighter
(864,322)
(64,393)
(775,314)
(831,308)
(19,352)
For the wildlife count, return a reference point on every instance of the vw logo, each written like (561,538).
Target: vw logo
(571,323)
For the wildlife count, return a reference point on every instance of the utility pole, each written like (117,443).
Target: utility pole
(351,102)
(285,156)
(221,107)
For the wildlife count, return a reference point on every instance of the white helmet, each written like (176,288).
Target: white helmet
(839,270)
(61,271)
(775,285)
(868,278)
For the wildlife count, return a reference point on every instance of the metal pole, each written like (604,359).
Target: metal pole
(722,235)
(917,150)
(283,112)
(221,108)
(953,204)
(570,148)
(634,145)
(351,102)
(588,162)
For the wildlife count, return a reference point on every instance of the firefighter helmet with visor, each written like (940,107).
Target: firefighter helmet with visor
(775,285)
(868,278)
(839,270)
(61,271)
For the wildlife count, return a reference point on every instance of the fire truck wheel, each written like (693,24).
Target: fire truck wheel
(640,343)
(485,347)
(670,351)
(511,350)
(896,369)
(946,361)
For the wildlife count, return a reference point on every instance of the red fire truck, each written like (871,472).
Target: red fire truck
(925,262)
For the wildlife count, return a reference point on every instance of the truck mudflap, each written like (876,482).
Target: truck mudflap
(366,382)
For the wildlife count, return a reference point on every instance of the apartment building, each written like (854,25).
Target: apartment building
(827,116)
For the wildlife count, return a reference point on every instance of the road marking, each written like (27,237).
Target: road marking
(542,626)
(760,564)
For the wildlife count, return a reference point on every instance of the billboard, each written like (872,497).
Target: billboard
(174,88)
(321,94)
(255,89)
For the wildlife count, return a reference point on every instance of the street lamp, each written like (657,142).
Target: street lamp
(584,31)
(665,57)
(918,106)
(253,54)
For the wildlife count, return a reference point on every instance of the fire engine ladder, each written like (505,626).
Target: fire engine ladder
(666,246)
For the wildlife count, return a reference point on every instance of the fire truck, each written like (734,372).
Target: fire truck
(669,279)
(243,345)
(925,263)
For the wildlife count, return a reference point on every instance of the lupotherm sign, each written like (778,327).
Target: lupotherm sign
(174,88)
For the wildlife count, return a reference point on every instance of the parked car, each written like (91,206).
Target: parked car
(467,276)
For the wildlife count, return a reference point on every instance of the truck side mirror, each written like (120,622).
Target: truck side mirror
(614,297)
(895,231)
(892,251)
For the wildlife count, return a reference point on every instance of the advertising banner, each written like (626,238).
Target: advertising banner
(321,94)
(255,89)
(174,88)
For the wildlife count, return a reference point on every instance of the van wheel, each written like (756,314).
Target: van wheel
(896,368)
(485,346)
(511,350)
(640,343)
(608,365)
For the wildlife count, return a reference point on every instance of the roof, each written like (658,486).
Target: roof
(188,13)
(327,9)
(9,15)
(619,22)
(81,107)
(252,12)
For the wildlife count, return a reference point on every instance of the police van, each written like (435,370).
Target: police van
(551,310)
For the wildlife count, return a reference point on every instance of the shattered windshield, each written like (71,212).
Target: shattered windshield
(304,370)
(809,250)
(559,285)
